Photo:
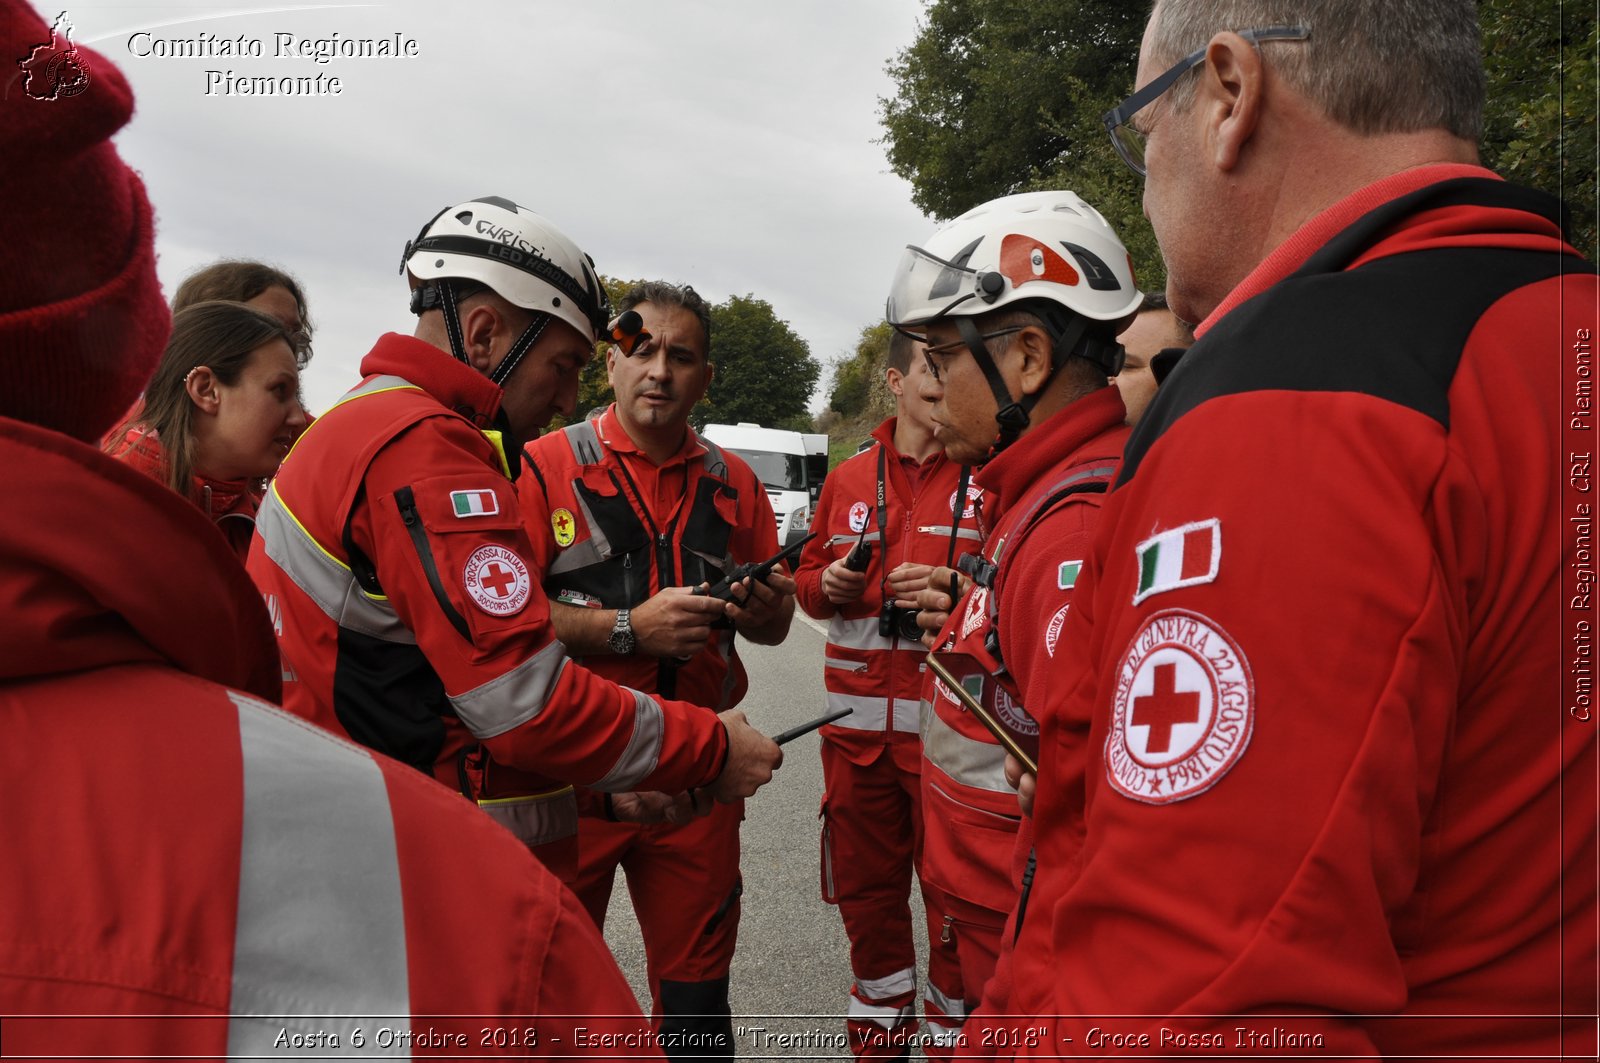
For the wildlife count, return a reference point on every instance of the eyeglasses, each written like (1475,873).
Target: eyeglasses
(1128,140)
(945,350)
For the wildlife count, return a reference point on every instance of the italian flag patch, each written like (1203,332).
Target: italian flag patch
(474,503)
(1067,575)
(1181,557)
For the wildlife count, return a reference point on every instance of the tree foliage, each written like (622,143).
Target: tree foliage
(1539,121)
(995,97)
(764,371)
(858,388)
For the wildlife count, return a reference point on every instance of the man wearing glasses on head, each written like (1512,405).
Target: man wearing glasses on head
(1320,638)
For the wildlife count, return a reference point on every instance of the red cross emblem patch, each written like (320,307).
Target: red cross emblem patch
(497,580)
(1184,709)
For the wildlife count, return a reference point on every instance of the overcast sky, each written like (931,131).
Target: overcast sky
(724,143)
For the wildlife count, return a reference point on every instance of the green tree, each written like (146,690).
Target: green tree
(858,388)
(1539,121)
(765,372)
(994,97)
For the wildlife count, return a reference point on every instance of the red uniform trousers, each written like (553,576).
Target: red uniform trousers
(688,937)
(871,840)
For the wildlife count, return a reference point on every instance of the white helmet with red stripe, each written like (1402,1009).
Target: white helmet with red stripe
(1033,245)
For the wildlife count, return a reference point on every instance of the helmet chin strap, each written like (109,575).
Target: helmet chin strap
(1069,336)
(442,294)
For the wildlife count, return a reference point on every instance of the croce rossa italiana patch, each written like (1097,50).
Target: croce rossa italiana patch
(1183,712)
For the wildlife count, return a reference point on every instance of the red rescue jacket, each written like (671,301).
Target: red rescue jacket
(1042,497)
(879,677)
(231,504)
(391,551)
(1320,647)
(172,851)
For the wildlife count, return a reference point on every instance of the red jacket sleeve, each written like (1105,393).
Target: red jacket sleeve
(1267,688)
(446,533)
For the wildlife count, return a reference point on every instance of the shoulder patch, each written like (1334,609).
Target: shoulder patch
(483,503)
(497,580)
(564,526)
(1067,575)
(858,516)
(1184,709)
(1182,557)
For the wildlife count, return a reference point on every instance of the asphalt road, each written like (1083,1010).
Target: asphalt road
(791,973)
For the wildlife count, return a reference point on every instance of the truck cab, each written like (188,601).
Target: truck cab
(790,465)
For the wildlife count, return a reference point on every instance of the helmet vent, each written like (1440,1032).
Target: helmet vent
(465,217)
(1063,208)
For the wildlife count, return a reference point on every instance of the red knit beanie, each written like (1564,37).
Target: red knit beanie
(82,321)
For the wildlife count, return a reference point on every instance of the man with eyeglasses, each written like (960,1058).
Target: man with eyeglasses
(1019,301)
(1335,779)
(884,519)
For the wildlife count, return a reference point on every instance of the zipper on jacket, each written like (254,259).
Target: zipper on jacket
(419,538)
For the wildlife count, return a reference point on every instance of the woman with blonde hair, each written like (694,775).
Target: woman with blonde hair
(220,413)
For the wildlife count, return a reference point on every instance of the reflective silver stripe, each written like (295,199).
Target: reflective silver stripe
(321,925)
(323,579)
(892,985)
(888,1018)
(972,763)
(513,698)
(644,748)
(585,442)
(861,634)
(953,1009)
(943,1036)
(871,713)
(537,820)
(375,385)
(872,537)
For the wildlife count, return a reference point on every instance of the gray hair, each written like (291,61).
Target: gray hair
(1373,66)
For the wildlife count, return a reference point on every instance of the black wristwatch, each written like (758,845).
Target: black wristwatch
(622,640)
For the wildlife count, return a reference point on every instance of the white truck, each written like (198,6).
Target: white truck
(791,465)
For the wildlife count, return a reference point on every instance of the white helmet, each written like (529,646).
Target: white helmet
(1033,245)
(1049,253)
(517,254)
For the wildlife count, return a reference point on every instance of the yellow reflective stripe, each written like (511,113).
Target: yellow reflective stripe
(497,440)
(523,799)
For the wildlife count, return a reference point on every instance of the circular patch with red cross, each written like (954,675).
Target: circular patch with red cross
(1184,709)
(497,580)
(858,517)
(1011,713)
(973,494)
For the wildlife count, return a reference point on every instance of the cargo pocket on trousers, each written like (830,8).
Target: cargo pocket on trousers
(830,891)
